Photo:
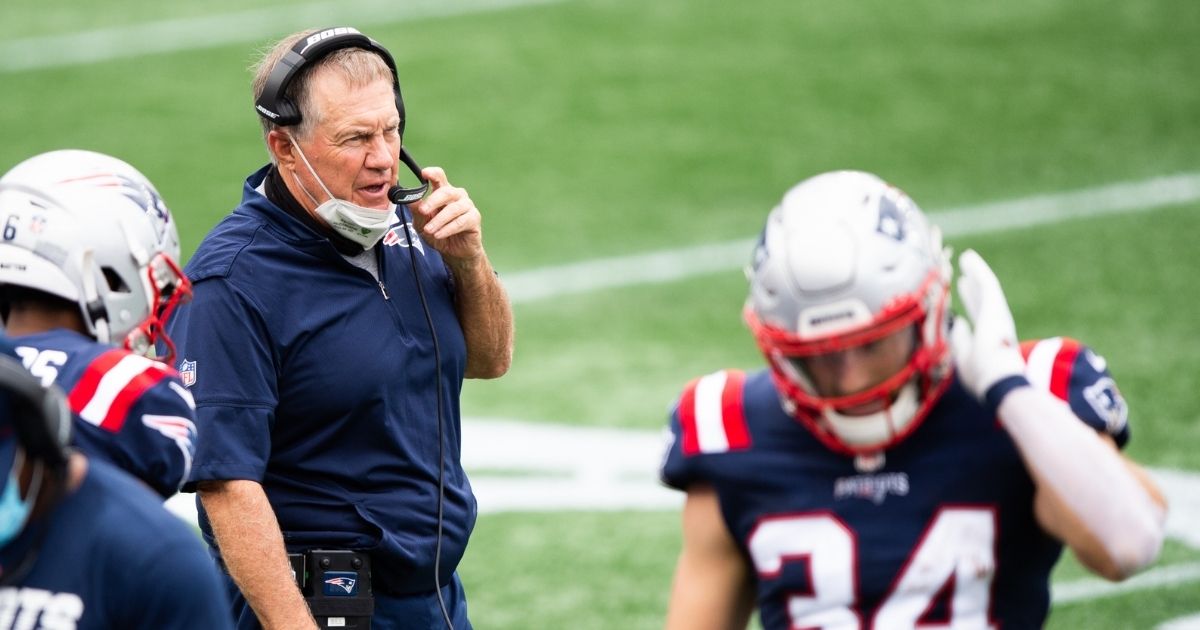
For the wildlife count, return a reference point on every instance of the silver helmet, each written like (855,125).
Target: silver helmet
(845,260)
(91,229)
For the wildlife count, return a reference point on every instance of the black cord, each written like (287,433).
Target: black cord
(409,228)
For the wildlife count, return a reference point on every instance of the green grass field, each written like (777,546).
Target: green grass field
(607,128)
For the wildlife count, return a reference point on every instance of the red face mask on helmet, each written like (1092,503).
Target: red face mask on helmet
(846,262)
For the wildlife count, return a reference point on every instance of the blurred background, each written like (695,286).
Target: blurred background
(625,153)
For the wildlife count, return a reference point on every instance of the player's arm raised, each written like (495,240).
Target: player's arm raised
(1088,495)
(1056,516)
(712,588)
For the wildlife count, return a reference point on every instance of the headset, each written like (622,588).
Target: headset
(40,415)
(276,106)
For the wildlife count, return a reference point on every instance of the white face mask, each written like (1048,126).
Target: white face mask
(365,226)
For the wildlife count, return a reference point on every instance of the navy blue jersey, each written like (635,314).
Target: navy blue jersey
(318,381)
(129,410)
(110,556)
(943,531)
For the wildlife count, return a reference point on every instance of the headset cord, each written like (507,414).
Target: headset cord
(437,360)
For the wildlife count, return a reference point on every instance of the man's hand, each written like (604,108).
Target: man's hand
(448,220)
(989,355)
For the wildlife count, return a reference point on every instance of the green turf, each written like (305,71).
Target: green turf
(597,128)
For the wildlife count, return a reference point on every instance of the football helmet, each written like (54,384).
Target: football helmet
(844,261)
(91,229)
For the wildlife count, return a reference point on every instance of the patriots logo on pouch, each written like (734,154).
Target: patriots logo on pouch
(187,372)
(342,583)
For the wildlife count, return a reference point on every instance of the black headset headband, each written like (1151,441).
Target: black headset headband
(274,104)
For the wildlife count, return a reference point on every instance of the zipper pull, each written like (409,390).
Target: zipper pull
(383,290)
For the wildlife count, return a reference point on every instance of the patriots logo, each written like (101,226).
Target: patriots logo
(892,222)
(187,372)
(393,237)
(341,583)
(137,192)
(1109,404)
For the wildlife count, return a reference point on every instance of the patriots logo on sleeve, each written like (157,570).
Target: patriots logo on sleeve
(1109,404)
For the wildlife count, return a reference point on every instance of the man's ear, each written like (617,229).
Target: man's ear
(282,148)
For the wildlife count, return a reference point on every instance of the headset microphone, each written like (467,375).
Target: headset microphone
(400,195)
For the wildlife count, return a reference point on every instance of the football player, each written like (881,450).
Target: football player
(88,278)
(888,469)
(82,545)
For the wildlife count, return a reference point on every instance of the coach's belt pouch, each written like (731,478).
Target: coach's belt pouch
(336,583)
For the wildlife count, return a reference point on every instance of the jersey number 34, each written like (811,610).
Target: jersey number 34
(957,552)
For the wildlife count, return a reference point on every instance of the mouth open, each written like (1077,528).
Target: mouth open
(375,189)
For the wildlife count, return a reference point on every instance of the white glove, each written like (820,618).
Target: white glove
(991,355)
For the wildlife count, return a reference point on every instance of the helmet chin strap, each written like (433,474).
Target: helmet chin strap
(94,311)
(875,429)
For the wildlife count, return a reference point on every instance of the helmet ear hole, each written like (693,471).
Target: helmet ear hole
(114,280)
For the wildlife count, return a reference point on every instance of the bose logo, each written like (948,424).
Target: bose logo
(326,34)
(266,112)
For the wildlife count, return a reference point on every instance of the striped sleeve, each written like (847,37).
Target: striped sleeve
(1075,374)
(708,418)
(111,384)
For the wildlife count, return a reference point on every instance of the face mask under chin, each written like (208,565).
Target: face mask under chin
(365,226)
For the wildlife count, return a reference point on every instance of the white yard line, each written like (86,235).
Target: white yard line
(1091,588)
(252,25)
(680,264)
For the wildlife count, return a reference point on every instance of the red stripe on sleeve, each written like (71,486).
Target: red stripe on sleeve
(86,386)
(137,386)
(732,415)
(687,419)
(1064,364)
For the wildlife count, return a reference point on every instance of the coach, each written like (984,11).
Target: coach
(334,318)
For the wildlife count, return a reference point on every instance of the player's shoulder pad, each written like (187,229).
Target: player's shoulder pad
(1077,375)
(112,383)
(711,413)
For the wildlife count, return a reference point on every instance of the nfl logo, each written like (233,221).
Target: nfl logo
(187,372)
